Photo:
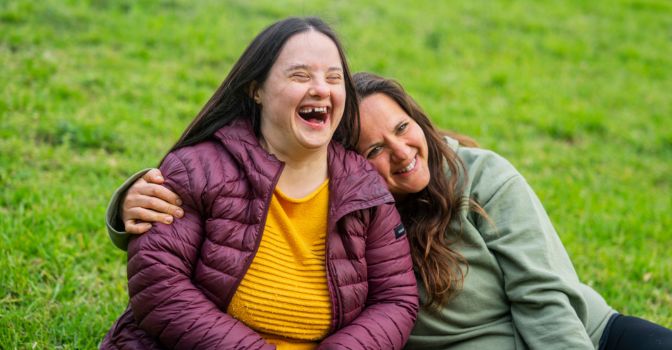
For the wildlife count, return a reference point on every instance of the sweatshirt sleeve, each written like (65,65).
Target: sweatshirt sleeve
(547,306)
(161,263)
(392,302)
(115,226)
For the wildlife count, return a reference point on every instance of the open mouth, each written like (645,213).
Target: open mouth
(409,167)
(316,115)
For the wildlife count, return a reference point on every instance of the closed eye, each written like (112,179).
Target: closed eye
(334,78)
(300,76)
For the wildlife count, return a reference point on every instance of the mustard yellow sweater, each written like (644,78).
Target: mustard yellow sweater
(284,295)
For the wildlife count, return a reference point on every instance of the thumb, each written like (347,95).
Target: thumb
(154,176)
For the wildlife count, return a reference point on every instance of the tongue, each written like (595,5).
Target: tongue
(313,117)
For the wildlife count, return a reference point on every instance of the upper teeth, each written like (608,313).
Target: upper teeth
(409,167)
(313,109)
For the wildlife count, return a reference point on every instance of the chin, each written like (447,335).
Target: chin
(403,193)
(315,144)
(316,141)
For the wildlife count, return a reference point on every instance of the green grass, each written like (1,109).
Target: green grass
(575,94)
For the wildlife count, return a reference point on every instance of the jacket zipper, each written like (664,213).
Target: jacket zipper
(260,233)
(333,289)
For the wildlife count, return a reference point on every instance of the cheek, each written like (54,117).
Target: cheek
(381,167)
(419,138)
(422,180)
(338,95)
(284,94)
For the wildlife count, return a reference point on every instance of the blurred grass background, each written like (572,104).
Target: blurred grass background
(575,94)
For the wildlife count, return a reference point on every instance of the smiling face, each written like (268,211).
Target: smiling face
(302,100)
(395,144)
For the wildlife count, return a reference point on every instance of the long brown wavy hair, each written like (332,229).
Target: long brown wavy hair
(429,213)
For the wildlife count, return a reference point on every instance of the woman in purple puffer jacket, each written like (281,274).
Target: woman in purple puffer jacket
(288,240)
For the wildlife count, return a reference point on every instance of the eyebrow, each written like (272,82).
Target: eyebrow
(306,67)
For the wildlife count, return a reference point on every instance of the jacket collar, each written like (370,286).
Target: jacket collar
(353,182)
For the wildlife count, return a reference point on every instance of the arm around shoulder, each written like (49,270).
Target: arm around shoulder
(161,263)
(113,221)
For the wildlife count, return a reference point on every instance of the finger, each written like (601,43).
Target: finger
(153,190)
(165,194)
(155,204)
(136,227)
(146,215)
(153,176)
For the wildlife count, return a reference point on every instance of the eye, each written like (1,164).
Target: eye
(334,78)
(402,127)
(374,152)
(301,76)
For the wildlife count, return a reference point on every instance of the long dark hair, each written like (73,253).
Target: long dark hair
(429,213)
(232,100)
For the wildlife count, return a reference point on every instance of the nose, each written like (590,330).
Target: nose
(399,150)
(319,89)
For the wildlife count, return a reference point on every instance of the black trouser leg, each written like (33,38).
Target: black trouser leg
(626,332)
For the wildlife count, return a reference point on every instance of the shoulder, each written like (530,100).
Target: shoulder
(348,163)
(200,168)
(208,156)
(353,178)
(481,163)
(486,171)
(199,153)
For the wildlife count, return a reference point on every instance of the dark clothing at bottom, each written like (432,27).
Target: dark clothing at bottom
(627,332)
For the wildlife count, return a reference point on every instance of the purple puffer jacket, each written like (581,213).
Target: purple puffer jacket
(181,277)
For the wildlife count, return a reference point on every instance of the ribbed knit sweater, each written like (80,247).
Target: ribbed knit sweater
(284,295)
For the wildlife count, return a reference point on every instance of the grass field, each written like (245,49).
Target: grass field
(576,94)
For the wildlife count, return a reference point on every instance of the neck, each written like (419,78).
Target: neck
(303,171)
(299,180)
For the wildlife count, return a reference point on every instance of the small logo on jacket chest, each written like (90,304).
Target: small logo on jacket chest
(399,231)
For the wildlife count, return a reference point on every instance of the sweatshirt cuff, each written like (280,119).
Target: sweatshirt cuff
(113,221)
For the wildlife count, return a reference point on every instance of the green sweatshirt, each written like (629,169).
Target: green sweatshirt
(521,290)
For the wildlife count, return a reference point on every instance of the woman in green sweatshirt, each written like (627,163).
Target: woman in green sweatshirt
(492,271)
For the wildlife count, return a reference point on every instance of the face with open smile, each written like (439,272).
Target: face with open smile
(395,144)
(302,100)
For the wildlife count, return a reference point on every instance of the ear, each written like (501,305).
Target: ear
(253,92)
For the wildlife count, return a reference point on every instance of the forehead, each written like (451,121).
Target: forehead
(379,115)
(309,48)
(380,112)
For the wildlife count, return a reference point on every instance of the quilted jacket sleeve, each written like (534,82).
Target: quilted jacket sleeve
(165,302)
(392,302)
